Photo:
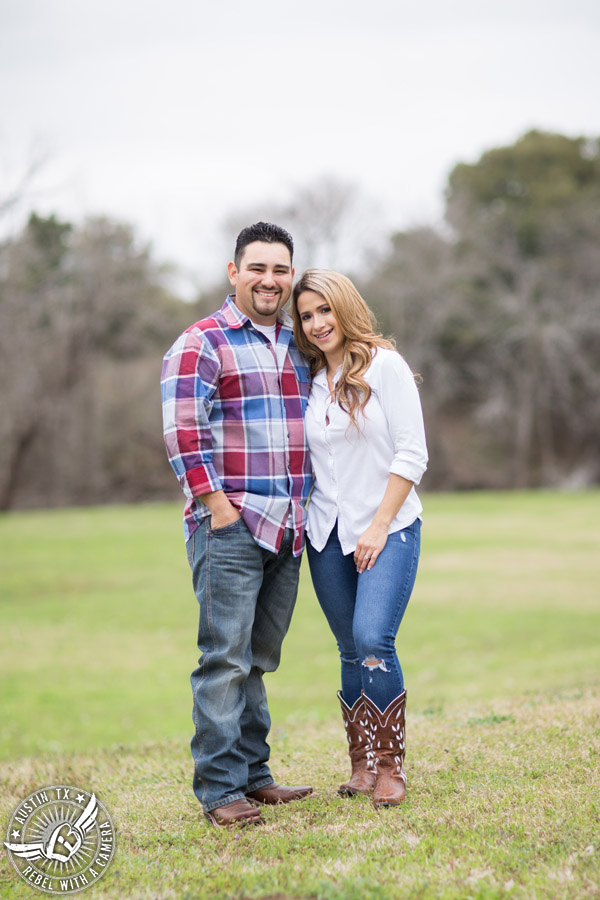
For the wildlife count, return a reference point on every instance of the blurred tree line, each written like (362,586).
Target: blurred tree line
(84,321)
(499,312)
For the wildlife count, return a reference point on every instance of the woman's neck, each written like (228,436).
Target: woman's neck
(332,362)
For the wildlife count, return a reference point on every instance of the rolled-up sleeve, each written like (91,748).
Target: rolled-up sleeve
(190,376)
(400,401)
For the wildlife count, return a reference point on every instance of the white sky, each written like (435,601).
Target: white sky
(173,115)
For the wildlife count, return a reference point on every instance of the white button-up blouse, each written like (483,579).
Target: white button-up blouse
(352,467)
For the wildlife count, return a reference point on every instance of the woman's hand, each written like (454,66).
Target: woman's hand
(369,546)
(373,540)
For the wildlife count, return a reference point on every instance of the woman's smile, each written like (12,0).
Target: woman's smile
(324,335)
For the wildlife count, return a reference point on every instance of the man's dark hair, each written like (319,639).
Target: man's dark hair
(262,231)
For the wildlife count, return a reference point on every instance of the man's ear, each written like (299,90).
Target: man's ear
(232,272)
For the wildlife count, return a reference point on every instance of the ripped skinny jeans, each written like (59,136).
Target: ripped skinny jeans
(365,611)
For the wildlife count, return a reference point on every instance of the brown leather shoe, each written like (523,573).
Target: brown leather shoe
(362,780)
(238,812)
(279,793)
(387,749)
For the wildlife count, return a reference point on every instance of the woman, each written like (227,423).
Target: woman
(367,444)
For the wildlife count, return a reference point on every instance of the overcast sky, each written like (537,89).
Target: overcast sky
(174,115)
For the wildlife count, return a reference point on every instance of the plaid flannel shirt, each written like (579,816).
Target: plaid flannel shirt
(233,421)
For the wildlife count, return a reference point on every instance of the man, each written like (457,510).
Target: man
(234,391)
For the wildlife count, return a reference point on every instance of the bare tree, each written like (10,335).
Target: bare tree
(73,303)
(334,224)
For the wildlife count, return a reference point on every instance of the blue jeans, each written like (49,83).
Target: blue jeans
(246,596)
(364,611)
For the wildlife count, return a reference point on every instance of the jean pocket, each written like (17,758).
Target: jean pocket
(233,526)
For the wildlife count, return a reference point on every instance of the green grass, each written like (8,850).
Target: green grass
(501,652)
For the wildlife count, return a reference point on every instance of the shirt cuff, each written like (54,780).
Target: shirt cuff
(410,470)
(202,480)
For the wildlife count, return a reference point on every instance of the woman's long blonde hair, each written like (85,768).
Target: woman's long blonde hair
(357,324)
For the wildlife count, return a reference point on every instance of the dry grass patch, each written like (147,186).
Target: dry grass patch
(503,802)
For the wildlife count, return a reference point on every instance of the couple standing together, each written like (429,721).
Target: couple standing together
(247,393)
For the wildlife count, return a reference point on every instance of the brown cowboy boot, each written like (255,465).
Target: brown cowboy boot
(387,748)
(272,794)
(362,781)
(238,812)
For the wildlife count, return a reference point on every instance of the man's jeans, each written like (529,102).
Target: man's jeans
(246,596)
(364,611)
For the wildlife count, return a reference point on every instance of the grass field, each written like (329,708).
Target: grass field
(501,652)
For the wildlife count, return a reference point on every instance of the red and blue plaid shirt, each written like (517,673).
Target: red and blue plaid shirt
(234,421)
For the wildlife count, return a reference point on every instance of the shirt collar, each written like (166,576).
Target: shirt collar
(321,377)
(235,318)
